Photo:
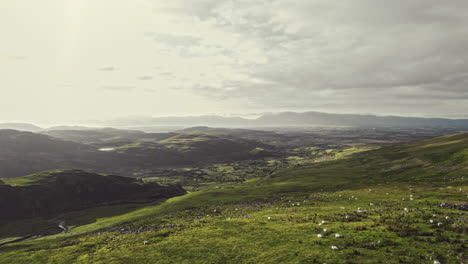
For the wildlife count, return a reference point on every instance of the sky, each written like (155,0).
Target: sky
(68,60)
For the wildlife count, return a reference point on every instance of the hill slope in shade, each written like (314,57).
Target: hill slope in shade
(191,149)
(106,136)
(23,153)
(52,192)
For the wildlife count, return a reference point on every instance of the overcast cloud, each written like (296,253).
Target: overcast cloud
(245,56)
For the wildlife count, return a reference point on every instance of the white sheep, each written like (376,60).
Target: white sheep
(334,247)
(319,235)
(63,226)
(324,230)
(269,218)
(338,236)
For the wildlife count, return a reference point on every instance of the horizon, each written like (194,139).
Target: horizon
(103,122)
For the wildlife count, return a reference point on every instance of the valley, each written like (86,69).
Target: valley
(366,202)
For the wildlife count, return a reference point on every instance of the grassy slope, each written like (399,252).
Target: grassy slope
(231,225)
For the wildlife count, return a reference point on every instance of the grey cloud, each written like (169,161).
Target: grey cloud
(376,51)
(17,57)
(65,84)
(177,40)
(107,69)
(145,78)
(14,58)
(167,74)
(118,87)
(175,88)
(150,90)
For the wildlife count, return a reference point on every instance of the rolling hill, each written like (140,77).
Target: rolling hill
(106,136)
(193,149)
(51,193)
(20,126)
(23,153)
(405,203)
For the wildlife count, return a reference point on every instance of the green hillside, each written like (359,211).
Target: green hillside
(190,149)
(51,193)
(404,203)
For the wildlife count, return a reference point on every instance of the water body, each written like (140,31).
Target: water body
(106,149)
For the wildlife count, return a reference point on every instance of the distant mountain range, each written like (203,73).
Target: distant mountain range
(293,119)
(21,127)
(276,119)
(326,119)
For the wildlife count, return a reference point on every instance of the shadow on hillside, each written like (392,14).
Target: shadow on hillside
(23,229)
